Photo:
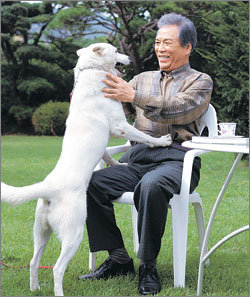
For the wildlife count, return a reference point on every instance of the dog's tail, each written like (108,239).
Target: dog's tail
(19,195)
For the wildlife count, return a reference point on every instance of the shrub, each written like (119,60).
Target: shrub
(49,118)
(20,112)
(17,119)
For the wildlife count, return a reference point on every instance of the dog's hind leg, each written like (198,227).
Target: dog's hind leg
(71,235)
(70,245)
(109,160)
(42,234)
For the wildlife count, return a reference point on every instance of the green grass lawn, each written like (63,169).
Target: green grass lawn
(28,159)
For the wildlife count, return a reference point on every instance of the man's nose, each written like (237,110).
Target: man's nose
(161,47)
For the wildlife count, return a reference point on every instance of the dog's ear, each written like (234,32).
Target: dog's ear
(80,52)
(98,50)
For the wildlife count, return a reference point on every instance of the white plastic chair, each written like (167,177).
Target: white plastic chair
(179,205)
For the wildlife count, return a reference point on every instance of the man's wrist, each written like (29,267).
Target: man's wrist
(132,96)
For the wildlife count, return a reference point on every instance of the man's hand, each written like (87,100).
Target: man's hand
(118,89)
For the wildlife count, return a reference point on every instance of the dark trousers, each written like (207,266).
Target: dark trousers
(154,175)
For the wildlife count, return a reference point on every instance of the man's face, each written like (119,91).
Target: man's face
(171,55)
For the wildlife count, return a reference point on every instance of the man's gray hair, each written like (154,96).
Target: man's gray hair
(187,32)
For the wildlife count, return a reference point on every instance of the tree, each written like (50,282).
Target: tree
(227,56)
(223,52)
(126,25)
(36,65)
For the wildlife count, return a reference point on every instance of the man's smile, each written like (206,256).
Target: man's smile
(162,58)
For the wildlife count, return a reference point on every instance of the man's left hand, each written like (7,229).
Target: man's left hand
(118,89)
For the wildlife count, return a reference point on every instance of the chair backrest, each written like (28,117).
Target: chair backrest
(209,120)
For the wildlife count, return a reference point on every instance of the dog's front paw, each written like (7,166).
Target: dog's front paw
(165,140)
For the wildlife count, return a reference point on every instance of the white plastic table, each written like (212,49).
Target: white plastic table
(239,150)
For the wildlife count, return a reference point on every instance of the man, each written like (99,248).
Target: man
(167,101)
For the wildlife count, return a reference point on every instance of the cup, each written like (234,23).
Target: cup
(227,129)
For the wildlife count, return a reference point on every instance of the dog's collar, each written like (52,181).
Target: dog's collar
(80,70)
(92,68)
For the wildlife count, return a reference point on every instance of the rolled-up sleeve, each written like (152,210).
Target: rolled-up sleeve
(128,108)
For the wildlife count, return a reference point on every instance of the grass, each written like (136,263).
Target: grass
(28,159)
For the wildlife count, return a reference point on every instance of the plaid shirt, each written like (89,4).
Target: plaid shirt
(170,103)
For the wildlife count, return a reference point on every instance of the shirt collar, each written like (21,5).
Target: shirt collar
(176,72)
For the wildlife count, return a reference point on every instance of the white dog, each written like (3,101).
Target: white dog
(62,207)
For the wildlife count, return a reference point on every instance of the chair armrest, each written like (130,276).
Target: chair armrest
(187,169)
(118,148)
(100,165)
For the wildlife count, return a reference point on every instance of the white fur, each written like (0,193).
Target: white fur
(62,204)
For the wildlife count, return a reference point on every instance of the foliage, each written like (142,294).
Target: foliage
(35,66)
(20,112)
(49,118)
(231,55)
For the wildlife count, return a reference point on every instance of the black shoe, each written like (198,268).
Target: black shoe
(149,281)
(110,268)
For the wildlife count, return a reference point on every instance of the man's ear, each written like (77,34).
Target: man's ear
(188,48)
(98,50)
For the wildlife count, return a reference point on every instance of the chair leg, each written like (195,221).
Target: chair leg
(180,228)
(135,230)
(92,261)
(200,224)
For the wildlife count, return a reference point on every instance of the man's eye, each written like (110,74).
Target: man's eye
(165,44)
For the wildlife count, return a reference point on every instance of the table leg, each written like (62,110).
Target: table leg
(204,255)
